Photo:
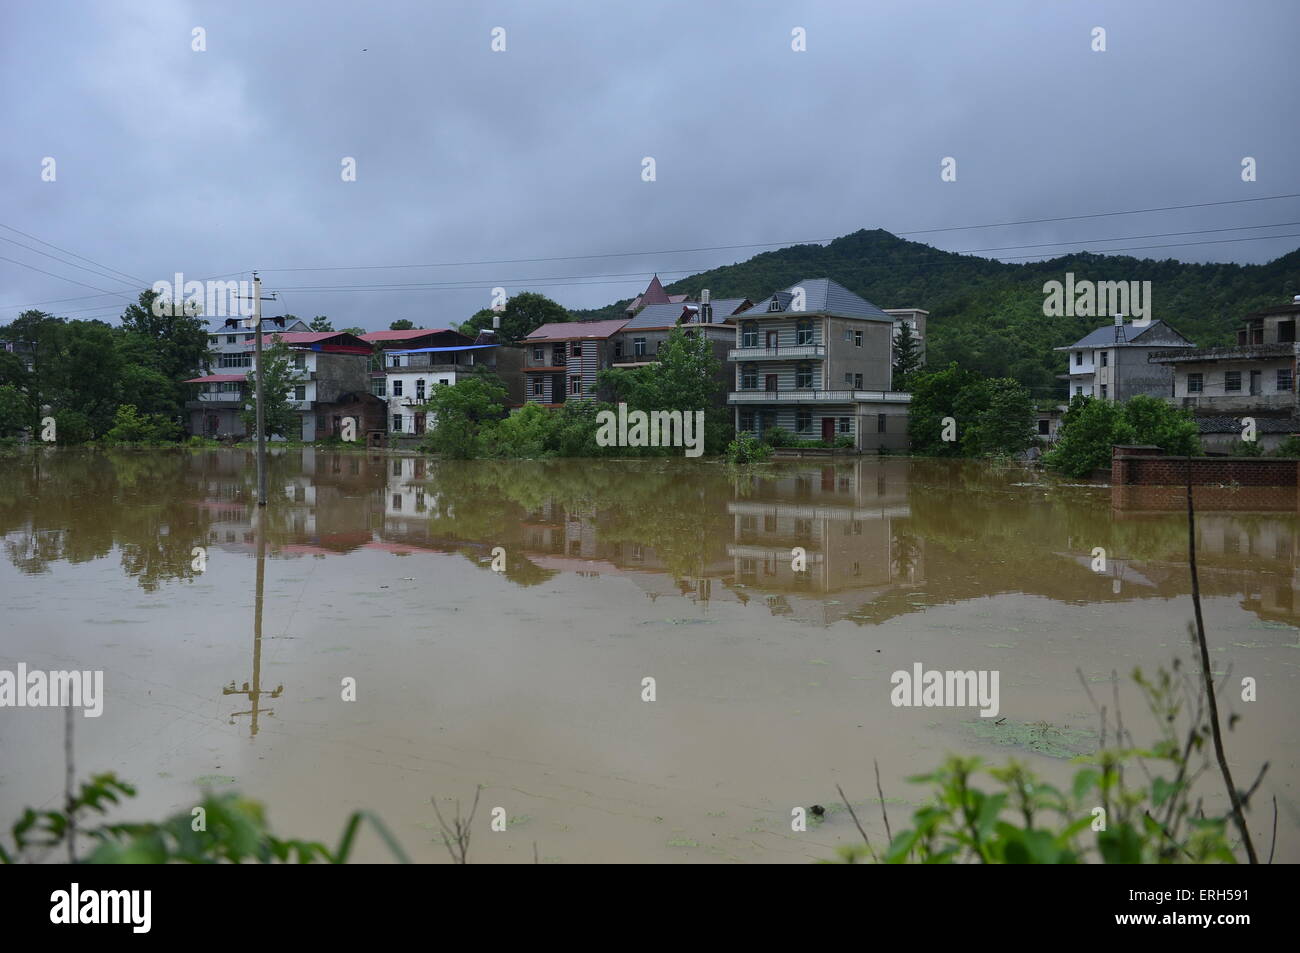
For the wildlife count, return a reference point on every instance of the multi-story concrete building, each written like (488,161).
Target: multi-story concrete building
(1256,377)
(231,345)
(817,360)
(562,359)
(1111,362)
(330,367)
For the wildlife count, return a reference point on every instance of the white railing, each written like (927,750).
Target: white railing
(768,353)
(759,396)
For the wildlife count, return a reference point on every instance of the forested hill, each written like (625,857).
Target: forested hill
(988,315)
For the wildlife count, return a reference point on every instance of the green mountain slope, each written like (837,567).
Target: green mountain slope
(988,315)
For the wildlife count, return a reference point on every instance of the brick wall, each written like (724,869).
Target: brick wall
(1133,469)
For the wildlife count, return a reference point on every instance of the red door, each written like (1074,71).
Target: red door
(828,429)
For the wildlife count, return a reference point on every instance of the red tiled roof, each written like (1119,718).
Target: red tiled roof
(576,330)
(301,337)
(402,335)
(216,379)
(654,293)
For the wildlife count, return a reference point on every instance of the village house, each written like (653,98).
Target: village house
(1256,377)
(231,346)
(1111,363)
(410,364)
(329,367)
(562,359)
(817,360)
(637,344)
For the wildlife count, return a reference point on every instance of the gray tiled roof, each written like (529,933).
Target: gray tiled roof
(1227,424)
(1105,337)
(823,296)
(667,315)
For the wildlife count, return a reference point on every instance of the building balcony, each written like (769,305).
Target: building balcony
(1237,352)
(757,396)
(777,353)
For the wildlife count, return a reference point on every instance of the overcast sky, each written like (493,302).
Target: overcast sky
(230,159)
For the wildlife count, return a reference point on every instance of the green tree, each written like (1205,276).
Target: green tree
(1089,429)
(459,411)
(357,331)
(1155,421)
(321,323)
(685,378)
(177,342)
(523,314)
(278,381)
(907,356)
(15,413)
(130,426)
(402,324)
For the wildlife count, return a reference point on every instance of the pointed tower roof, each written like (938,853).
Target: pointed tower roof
(654,293)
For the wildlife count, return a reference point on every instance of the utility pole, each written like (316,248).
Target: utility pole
(261,411)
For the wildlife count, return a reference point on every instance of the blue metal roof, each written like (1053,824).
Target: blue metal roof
(426,350)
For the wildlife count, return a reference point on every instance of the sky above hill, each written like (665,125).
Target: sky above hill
(533,157)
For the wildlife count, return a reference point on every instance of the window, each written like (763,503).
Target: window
(235,360)
(747,420)
(1195,383)
(749,334)
(804,332)
(577,349)
(848,379)
(1232,380)
(575,385)
(395,361)
(1078,392)
(1285,379)
(618,348)
(748,377)
(1044,427)
(1105,358)
(232,338)
(848,335)
(803,376)
(443,380)
(1078,359)
(773,305)
(378,387)
(397,387)
(397,423)
(857,381)
(419,389)
(300,392)
(539,353)
(537,387)
(1103,391)
(300,361)
(231,387)
(857,339)
(803,421)
(1286,332)
(881,424)
(638,347)
(846,425)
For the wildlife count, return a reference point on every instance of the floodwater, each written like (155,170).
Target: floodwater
(771,686)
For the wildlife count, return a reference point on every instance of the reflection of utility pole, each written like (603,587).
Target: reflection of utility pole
(261,412)
(255,692)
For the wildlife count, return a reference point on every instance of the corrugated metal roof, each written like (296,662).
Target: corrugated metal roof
(575,330)
(459,347)
(402,335)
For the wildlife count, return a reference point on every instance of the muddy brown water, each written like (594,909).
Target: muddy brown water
(771,686)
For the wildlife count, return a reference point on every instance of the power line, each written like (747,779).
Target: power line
(133,278)
(811,241)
